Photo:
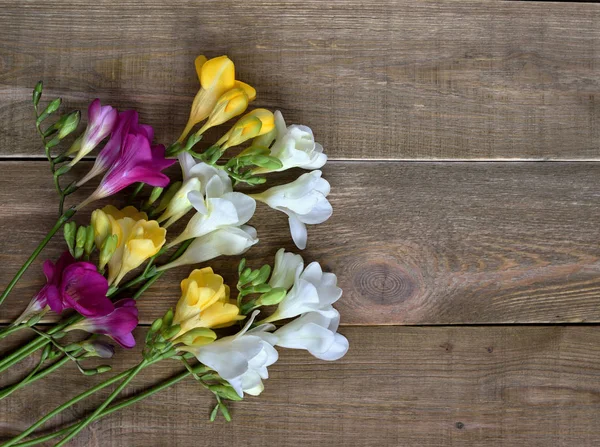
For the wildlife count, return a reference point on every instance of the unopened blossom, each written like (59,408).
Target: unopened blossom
(229,105)
(137,162)
(127,123)
(315,333)
(295,147)
(313,291)
(226,241)
(118,324)
(241,359)
(304,201)
(254,124)
(216,77)
(101,121)
(220,208)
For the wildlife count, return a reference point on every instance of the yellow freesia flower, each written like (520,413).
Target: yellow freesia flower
(204,303)
(254,124)
(229,105)
(138,241)
(216,77)
(104,226)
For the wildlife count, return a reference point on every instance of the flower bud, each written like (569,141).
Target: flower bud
(50,109)
(37,93)
(107,250)
(172,331)
(81,237)
(197,337)
(224,391)
(154,195)
(229,105)
(102,227)
(98,348)
(263,275)
(166,198)
(103,368)
(88,246)
(275,296)
(70,124)
(156,325)
(69,233)
(253,124)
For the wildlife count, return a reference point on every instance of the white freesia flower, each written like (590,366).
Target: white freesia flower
(295,147)
(241,359)
(287,268)
(198,178)
(304,201)
(315,333)
(220,208)
(313,291)
(228,241)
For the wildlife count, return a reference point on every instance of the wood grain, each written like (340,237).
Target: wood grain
(467,386)
(385,79)
(412,243)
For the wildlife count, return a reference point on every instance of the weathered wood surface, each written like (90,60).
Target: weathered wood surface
(386,79)
(468,386)
(412,243)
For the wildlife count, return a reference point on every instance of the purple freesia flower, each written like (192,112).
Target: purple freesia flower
(101,121)
(118,324)
(137,162)
(127,123)
(74,285)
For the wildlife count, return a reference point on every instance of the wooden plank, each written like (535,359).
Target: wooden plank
(412,243)
(467,386)
(389,79)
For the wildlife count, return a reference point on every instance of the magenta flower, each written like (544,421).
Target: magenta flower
(118,324)
(127,123)
(101,121)
(74,285)
(137,162)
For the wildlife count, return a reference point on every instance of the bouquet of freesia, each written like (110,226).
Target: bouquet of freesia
(111,261)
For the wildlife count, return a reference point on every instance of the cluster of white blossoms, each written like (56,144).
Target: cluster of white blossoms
(243,359)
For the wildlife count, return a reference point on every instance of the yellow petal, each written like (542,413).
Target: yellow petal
(219,315)
(102,227)
(218,74)
(199,62)
(249,90)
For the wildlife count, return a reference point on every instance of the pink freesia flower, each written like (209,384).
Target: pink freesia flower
(137,162)
(74,285)
(127,123)
(101,121)
(118,324)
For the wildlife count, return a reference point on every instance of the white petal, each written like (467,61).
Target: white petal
(319,213)
(301,335)
(298,231)
(187,163)
(286,269)
(197,200)
(336,351)
(244,205)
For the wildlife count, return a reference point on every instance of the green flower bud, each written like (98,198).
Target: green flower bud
(156,325)
(69,230)
(273,297)
(81,237)
(166,198)
(172,331)
(103,368)
(88,246)
(154,195)
(37,93)
(70,124)
(263,275)
(241,266)
(256,180)
(224,411)
(108,249)
(225,392)
(168,318)
(51,108)
(252,276)
(267,162)
(261,288)
(62,170)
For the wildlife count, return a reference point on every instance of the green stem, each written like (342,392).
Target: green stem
(5,392)
(59,223)
(105,404)
(68,404)
(10,329)
(110,410)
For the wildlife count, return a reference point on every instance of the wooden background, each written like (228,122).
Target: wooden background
(464,147)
